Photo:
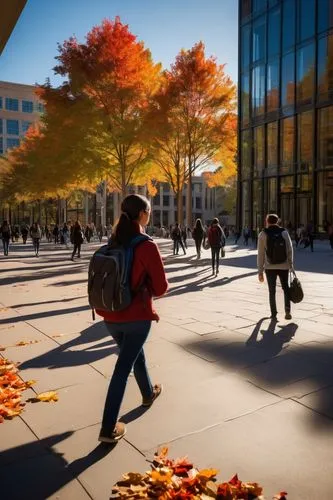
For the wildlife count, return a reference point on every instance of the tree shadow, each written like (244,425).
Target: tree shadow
(40,275)
(63,355)
(70,299)
(46,314)
(20,477)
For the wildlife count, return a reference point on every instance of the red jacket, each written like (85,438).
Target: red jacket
(147,262)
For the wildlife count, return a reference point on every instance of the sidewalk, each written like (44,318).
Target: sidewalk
(238,395)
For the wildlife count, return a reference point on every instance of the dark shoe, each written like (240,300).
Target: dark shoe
(157,389)
(288,316)
(118,432)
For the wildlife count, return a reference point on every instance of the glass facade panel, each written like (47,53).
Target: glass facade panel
(325,68)
(273,85)
(273,32)
(325,138)
(288,82)
(272,144)
(245,8)
(246,33)
(258,90)
(257,203)
(258,5)
(288,24)
(246,154)
(325,198)
(12,104)
(0,102)
(259,150)
(245,99)
(304,183)
(325,15)
(12,143)
(27,106)
(12,127)
(305,141)
(271,195)
(259,39)
(287,144)
(305,73)
(307,16)
(1,130)
(246,203)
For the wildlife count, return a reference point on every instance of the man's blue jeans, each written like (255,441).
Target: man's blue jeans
(130,338)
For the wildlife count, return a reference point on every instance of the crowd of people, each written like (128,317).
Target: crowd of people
(60,234)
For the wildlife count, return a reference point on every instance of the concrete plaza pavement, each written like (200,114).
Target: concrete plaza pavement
(241,394)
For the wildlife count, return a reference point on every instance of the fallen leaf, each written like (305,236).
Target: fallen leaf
(22,343)
(46,397)
(2,348)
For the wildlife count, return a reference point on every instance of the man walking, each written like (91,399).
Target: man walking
(275,257)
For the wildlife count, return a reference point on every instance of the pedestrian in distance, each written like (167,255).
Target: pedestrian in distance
(275,258)
(100,233)
(177,239)
(56,234)
(36,234)
(246,235)
(198,234)
(65,234)
(130,327)
(217,240)
(184,235)
(330,234)
(77,239)
(5,231)
(299,234)
(24,232)
(309,235)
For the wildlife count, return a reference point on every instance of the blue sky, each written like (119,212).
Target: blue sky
(165,26)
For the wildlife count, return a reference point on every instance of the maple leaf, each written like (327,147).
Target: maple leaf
(2,348)
(281,496)
(45,397)
(22,343)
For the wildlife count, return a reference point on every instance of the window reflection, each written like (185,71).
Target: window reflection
(305,144)
(273,85)
(258,90)
(245,203)
(245,8)
(325,198)
(246,154)
(272,144)
(246,32)
(305,73)
(325,15)
(258,5)
(271,195)
(256,206)
(287,145)
(273,32)
(258,146)
(325,68)
(325,133)
(307,15)
(288,26)
(245,99)
(288,82)
(259,38)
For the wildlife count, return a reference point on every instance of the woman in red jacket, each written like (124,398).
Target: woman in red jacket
(130,328)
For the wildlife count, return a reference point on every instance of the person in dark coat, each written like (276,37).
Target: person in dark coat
(77,239)
(5,231)
(198,235)
(177,239)
(216,238)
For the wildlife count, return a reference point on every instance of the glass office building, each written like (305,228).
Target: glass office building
(285,111)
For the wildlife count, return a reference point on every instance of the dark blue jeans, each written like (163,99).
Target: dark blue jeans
(5,242)
(271,275)
(215,258)
(130,338)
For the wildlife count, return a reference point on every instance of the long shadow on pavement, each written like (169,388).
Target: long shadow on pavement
(45,472)
(62,355)
(46,314)
(302,372)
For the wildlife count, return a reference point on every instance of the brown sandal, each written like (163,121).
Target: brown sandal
(157,389)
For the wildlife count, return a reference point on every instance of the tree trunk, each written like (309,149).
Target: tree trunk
(189,221)
(180,209)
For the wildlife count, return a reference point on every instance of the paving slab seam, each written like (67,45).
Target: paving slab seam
(136,448)
(295,400)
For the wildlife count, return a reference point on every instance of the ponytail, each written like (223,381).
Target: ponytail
(126,229)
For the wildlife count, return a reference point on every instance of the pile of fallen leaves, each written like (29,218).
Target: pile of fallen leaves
(179,479)
(11,389)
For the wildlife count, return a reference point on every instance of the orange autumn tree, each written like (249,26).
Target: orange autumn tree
(117,76)
(205,104)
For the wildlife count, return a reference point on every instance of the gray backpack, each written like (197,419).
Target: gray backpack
(109,276)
